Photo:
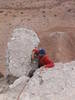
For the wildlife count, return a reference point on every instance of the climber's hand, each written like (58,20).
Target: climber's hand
(41,69)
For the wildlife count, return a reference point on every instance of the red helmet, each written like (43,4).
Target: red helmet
(36,50)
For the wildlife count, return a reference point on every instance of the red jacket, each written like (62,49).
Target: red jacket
(46,61)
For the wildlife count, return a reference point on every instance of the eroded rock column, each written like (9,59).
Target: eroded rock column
(19,51)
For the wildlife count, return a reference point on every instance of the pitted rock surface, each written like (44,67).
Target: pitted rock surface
(19,51)
(52,84)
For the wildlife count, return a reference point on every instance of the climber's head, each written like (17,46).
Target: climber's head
(42,52)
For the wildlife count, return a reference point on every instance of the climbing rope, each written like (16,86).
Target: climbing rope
(25,85)
(21,92)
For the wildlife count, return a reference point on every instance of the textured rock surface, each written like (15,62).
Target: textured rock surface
(52,84)
(42,16)
(57,83)
(19,51)
(62,46)
(13,91)
(3,86)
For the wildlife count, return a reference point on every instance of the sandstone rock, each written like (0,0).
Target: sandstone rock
(10,79)
(3,85)
(56,84)
(18,82)
(19,51)
(62,46)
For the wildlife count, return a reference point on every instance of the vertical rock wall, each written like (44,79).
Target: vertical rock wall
(19,51)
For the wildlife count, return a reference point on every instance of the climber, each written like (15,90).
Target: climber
(44,60)
(34,56)
(34,61)
(40,56)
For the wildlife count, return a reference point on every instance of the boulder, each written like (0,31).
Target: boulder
(57,83)
(19,51)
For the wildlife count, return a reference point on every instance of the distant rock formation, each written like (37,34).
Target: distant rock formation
(17,4)
(61,46)
(19,51)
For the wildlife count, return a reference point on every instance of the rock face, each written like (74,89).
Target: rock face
(57,83)
(1,75)
(52,84)
(19,51)
(43,16)
(62,46)
(30,4)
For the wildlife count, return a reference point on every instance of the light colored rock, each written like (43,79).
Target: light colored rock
(52,84)
(19,51)
(18,82)
(57,83)
(3,85)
